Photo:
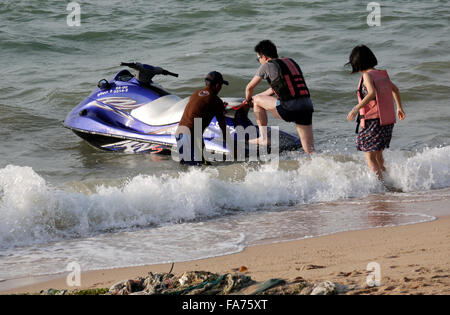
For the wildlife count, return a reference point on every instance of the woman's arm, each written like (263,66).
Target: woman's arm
(371,94)
(396,93)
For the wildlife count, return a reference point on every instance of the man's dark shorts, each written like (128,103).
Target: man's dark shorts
(299,110)
(194,155)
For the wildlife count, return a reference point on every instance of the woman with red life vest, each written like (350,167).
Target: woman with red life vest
(376,95)
(287,98)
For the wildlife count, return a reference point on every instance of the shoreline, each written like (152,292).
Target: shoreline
(413,260)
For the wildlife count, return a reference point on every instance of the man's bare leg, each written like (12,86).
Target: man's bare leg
(262,104)
(306,137)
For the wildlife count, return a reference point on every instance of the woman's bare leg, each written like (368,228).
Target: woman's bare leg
(380,161)
(372,162)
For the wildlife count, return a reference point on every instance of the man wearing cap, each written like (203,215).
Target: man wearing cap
(203,105)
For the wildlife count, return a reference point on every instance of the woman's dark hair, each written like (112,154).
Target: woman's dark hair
(266,48)
(362,58)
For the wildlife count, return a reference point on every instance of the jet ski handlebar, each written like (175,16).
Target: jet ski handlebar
(165,72)
(147,69)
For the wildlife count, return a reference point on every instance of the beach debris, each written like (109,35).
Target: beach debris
(49,292)
(118,288)
(171,268)
(189,283)
(300,285)
(324,288)
(100,291)
(243,269)
(207,283)
(353,273)
(306,290)
(136,285)
(184,279)
(158,282)
(268,285)
(311,267)
(343,288)
(298,280)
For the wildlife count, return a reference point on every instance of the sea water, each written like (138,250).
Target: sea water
(62,201)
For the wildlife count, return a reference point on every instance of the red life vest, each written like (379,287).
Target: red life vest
(290,83)
(382,106)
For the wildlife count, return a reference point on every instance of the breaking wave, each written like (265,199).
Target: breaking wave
(33,211)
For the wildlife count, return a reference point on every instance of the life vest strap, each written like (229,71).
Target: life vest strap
(290,83)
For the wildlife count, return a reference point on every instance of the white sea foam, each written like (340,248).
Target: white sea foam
(33,211)
(429,169)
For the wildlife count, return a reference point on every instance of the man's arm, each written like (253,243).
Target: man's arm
(268,92)
(227,138)
(251,87)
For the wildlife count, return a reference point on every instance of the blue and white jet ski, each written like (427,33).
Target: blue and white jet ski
(133,114)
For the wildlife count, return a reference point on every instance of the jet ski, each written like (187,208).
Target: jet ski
(134,114)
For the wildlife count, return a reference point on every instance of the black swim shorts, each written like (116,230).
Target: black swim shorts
(190,152)
(299,110)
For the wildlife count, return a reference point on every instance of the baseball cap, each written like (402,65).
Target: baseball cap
(215,77)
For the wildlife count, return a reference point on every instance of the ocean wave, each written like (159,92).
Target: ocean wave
(426,170)
(33,211)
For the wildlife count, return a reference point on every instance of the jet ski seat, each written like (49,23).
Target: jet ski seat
(165,110)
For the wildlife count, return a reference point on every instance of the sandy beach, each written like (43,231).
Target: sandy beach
(413,259)
(88,179)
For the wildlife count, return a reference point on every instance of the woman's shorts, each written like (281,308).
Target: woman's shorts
(374,137)
(299,110)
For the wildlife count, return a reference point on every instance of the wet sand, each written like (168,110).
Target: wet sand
(413,259)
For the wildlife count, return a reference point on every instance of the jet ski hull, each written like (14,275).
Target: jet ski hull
(122,145)
(125,115)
